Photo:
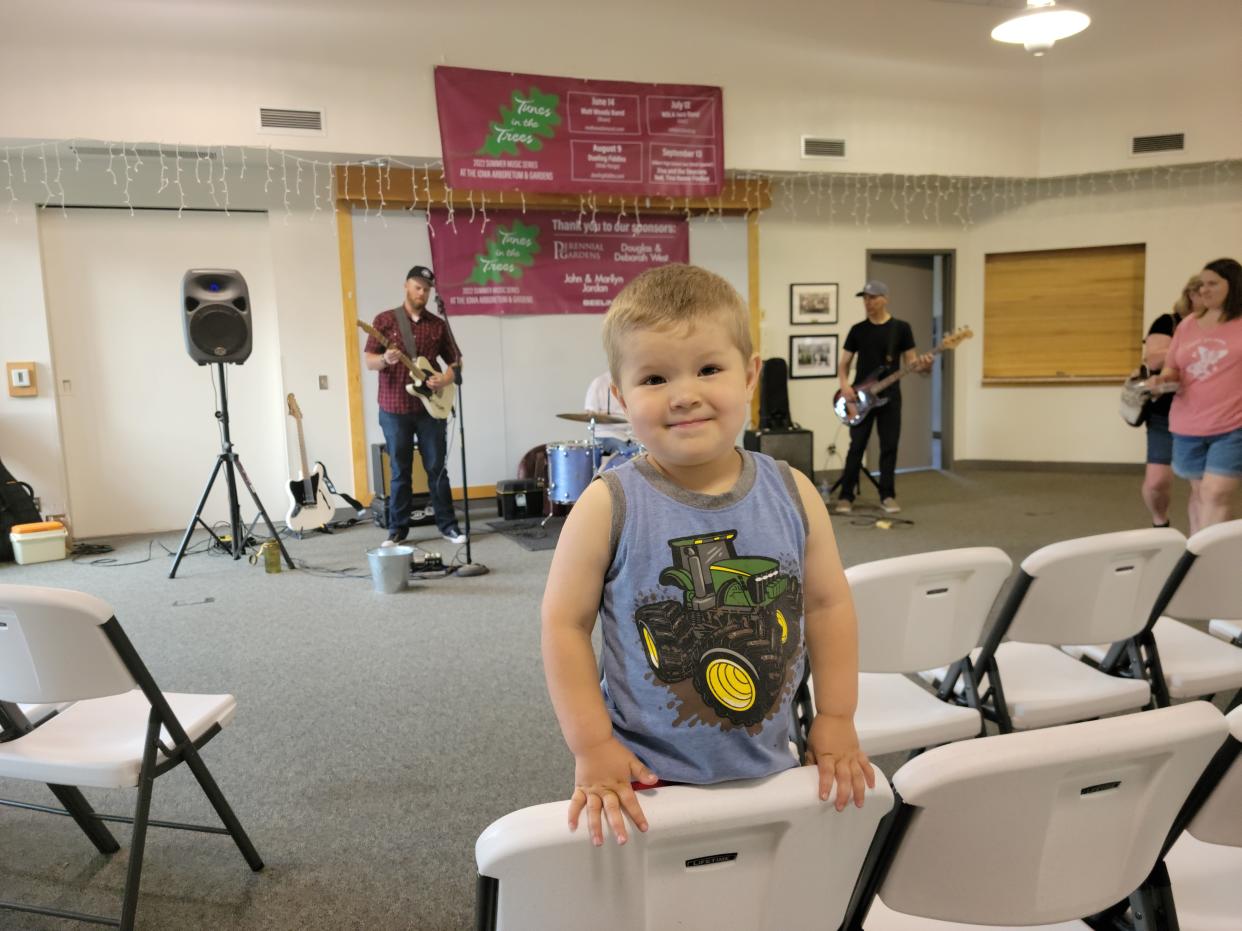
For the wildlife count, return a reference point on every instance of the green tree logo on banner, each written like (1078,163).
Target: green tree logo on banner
(508,252)
(523,123)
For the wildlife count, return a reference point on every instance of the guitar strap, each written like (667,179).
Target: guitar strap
(889,359)
(407,334)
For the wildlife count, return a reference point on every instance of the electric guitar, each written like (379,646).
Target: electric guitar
(309,508)
(437,401)
(1136,394)
(868,390)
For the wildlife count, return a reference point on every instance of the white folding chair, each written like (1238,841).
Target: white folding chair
(916,612)
(1205,862)
(120,732)
(1092,589)
(1033,829)
(758,854)
(1179,661)
(1230,631)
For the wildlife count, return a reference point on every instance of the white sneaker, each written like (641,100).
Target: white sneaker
(844,506)
(890,505)
(457,538)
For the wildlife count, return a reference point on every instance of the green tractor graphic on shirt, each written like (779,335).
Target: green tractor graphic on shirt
(733,631)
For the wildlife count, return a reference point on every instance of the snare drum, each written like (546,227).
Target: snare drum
(571,466)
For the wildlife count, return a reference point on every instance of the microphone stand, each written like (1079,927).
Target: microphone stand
(471,567)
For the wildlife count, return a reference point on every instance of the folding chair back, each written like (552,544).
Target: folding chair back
(52,648)
(926,610)
(1044,827)
(761,854)
(1219,821)
(1212,587)
(1098,589)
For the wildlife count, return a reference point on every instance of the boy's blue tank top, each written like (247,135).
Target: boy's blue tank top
(702,621)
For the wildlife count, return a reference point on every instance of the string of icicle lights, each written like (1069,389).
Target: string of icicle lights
(293,180)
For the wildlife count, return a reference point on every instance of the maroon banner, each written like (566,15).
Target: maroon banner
(502,131)
(547,263)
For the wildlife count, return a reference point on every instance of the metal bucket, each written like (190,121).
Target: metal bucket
(390,568)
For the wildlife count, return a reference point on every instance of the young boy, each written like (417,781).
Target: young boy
(702,647)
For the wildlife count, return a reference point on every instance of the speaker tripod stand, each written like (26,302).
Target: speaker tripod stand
(229,461)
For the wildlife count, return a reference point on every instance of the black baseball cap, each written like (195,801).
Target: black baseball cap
(423,272)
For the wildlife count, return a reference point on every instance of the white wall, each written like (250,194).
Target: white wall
(29,432)
(1184,226)
(519,371)
(914,86)
(136,413)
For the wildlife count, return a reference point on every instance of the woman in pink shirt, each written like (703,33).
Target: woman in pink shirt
(1206,418)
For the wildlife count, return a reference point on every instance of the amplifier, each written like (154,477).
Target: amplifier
(381,473)
(797,447)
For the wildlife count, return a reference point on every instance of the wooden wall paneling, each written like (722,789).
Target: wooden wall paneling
(1063,316)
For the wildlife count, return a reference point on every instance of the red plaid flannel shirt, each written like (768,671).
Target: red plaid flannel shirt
(431,339)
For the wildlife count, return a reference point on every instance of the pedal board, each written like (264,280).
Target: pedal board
(424,562)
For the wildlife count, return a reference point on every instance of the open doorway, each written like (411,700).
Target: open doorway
(920,291)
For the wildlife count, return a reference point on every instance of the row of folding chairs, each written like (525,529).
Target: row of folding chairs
(79,708)
(1090,627)
(1131,820)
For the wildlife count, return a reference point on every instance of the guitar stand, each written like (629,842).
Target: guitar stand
(229,460)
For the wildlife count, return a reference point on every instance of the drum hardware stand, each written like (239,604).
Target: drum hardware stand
(229,459)
(471,568)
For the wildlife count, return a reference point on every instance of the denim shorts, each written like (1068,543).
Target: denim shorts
(1220,454)
(1159,440)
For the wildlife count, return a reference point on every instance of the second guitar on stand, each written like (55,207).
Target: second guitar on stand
(309,507)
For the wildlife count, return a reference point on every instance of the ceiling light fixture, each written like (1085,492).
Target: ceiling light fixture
(1041,25)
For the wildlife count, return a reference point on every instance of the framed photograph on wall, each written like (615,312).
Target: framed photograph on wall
(813,356)
(812,304)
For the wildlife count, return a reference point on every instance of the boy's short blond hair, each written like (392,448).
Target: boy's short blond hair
(671,296)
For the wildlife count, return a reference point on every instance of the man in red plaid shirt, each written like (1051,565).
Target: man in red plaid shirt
(402,416)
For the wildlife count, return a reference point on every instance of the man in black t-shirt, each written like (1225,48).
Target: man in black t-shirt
(882,344)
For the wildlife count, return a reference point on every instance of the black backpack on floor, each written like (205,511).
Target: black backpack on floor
(16,507)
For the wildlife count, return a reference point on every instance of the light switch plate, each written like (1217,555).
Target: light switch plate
(21,379)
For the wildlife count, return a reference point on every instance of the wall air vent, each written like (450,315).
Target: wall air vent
(1149,145)
(296,122)
(818,147)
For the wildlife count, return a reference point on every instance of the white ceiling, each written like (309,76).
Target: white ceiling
(934,31)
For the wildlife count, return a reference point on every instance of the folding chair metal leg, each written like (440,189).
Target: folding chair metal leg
(142,810)
(14,723)
(80,810)
(159,705)
(221,805)
(1151,904)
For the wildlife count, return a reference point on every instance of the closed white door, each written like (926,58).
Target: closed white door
(137,416)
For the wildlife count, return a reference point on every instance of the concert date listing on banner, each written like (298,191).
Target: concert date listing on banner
(543,262)
(503,131)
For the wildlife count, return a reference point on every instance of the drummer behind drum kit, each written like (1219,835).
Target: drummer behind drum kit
(573,463)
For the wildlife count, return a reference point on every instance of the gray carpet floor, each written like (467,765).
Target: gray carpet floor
(377,735)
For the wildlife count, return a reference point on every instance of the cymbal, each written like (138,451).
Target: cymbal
(588,416)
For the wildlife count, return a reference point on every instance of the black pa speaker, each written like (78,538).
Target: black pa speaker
(215,311)
(774,396)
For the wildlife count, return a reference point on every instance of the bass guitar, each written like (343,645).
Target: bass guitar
(309,508)
(437,401)
(853,413)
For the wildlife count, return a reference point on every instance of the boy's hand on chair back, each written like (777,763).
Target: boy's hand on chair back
(602,785)
(832,745)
